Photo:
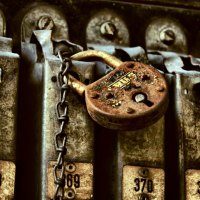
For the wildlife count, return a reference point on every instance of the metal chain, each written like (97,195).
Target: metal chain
(61,136)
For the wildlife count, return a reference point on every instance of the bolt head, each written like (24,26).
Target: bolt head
(167,36)
(108,30)
(45,22)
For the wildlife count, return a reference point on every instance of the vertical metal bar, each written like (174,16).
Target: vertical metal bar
(187,109)
(80,130)
(179,128)
(9,64)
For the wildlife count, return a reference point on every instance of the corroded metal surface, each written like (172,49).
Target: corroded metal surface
(2,24)
(141,182)
(128,97)
(7,180)
(166,34)
(192,178)
(189,104)
(9,63)
(78,178)
(138,146)
(80,127)
(35,14)
(5,44)
(101,20)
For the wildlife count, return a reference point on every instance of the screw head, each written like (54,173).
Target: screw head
(167,36)
(45,22)
(108,30)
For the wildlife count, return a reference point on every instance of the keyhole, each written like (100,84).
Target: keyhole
(142,98)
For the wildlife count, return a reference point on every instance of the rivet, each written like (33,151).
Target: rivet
(109,95)
(130,65)
(144,172)
(130,110)
(160,89)
(146,77)
(143,196)
(70,167)
(94,95)
(69,193)
(54,79)
(137,85)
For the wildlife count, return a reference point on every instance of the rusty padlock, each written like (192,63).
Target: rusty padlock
(132,96)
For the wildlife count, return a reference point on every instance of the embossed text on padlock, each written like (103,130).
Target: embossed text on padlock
(134,95)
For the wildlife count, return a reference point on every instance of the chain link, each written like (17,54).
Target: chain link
(60,135)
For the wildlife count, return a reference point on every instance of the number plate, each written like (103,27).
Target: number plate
(7,180)
(145,181)
(192,184)
(78,181)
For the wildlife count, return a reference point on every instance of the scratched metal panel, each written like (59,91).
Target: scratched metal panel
(188,127)
(9,63)
(137,147)
(190,109)
(80,129)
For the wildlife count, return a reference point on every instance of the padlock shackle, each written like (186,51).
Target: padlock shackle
(95,54)
(112,61)
(78,86)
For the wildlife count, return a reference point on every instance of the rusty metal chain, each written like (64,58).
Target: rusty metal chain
(60,135)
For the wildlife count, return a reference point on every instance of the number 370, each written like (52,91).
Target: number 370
(142,183)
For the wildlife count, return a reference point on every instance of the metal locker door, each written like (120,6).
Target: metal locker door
(157,162)
(9,73)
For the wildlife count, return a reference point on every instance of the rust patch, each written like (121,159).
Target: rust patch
(7,180)
(133,85)
(78,181)
(138,182)
(192,184)
(9,63)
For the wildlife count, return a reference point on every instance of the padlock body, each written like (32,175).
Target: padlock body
(128,98)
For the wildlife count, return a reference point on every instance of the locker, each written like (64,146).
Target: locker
(51,147)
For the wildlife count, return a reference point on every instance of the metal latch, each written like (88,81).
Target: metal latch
(132,95)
